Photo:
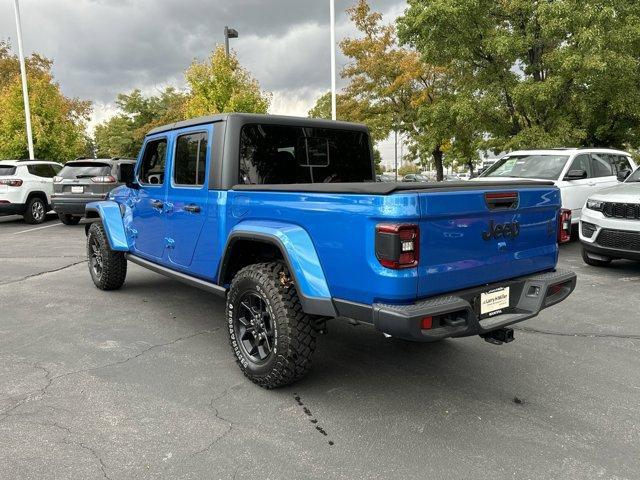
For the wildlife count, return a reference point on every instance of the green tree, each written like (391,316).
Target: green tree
(408,168)
(58,122)
(536,74)
(122,134)
(221,85)
(392,88)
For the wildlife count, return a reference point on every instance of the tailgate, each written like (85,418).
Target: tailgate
(473,237)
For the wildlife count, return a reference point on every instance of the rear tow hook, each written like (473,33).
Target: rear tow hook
(498,337)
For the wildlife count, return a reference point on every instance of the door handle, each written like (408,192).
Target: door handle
(158,204)
(192,208)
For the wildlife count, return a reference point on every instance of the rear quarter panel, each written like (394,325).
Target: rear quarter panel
(342,228)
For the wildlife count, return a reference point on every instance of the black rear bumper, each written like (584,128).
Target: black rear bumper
(458,314)
(70,205)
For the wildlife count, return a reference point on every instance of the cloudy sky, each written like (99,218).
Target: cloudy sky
(103,47)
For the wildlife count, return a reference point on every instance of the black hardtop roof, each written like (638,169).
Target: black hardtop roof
(246,118)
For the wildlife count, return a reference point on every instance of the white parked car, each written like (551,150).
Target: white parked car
(578,172)
(610,223)
(26,187)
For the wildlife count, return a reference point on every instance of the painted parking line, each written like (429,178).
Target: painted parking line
(37,228)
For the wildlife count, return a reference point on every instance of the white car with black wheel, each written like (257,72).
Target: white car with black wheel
(610,224)
(26,187)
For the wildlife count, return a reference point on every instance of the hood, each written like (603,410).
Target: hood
(622,193)
(510,179)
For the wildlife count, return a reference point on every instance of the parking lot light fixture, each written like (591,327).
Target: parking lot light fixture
(229,33)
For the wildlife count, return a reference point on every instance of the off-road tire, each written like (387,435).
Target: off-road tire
(592,261)
(295,336)
(68,219)
(113,269)
(31,217)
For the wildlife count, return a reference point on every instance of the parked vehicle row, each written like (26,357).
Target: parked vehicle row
(32,188)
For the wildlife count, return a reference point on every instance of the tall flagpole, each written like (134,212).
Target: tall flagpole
(333,58)
(23,73)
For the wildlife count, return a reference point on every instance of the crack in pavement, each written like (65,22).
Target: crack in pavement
(216,413)
(78,443)
(583,335)
(41,392)
(39,274)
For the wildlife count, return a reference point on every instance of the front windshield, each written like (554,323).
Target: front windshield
(547,167)
(635,176)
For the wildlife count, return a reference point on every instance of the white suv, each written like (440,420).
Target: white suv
(610,223)
(26,187)
(577,172)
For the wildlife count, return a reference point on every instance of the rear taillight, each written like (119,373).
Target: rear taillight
(11,183)
(397,245)
(104,179)
(564,225)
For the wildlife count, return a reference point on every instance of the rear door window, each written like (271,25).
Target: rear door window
(42,170)
(189,166)
(79,170)
(601,165)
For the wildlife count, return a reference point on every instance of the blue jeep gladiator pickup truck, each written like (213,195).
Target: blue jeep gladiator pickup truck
(283,218)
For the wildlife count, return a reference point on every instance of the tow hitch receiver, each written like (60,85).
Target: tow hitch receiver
(500,336)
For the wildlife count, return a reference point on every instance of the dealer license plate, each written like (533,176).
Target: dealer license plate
(77,189)
(494,300)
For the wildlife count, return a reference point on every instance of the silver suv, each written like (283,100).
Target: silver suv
(87,180)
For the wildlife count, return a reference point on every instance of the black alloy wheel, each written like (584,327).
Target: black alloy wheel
(254,328)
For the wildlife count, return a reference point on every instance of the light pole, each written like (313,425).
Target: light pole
(332,12)
(228,33)
(23,73)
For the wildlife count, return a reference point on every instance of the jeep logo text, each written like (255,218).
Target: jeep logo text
(502,230)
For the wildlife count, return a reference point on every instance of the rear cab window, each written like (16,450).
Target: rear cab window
(79,170)
(278,154)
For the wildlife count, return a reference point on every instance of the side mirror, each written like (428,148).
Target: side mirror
(623,174)
(133,185)
(577,174)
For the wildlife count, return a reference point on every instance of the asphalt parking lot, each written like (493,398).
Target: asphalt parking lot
(141,383)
